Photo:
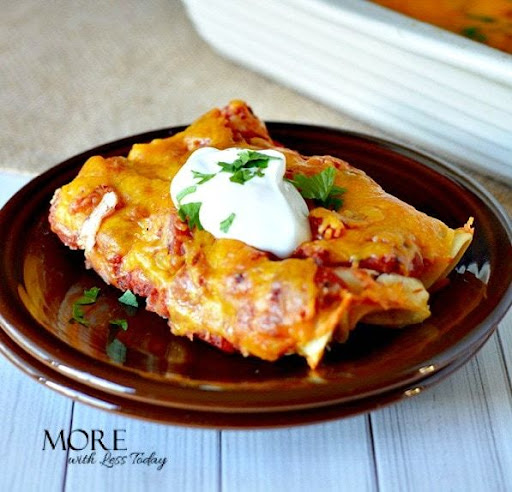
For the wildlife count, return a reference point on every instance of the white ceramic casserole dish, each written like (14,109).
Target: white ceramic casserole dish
(427,87)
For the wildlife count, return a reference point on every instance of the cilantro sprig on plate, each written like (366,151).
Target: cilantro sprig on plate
(90,296)
(320,187)
(129,299)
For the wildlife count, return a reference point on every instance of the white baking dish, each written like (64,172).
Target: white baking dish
(427,87)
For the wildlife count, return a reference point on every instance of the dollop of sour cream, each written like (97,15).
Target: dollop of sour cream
(264,211)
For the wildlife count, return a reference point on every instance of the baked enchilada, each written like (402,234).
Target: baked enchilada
(251,246)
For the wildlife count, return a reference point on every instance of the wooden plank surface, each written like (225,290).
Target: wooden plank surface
(335,456)
(27,409)
(191,456)
(456,435)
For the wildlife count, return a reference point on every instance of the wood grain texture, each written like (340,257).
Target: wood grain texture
(505,338)
(329,457)
(457,435)
(27,409)
(192,456)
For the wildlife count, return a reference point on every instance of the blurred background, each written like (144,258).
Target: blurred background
(78,74)
(82,73)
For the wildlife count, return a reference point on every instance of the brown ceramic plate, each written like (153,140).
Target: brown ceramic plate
(146,368)
(225,420)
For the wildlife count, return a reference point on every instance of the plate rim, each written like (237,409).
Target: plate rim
(213,419)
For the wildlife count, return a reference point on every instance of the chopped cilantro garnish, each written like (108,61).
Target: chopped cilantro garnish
(122,323)
(78,315)
(321,188)
(89,297)
(202,177)
(241,176)
(248,164)
(184,192)
(92,294)
(474,33)
(189,212)
(226,223)
(129,299)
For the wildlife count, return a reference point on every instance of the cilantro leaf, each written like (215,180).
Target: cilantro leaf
(129,299)
(92,293)
(122,323)
(253,158)
(184,192)
(242,175)
(246,166)
(79,315)
(189,212)
(227,167)
(226,223)
(89,297)
(320,187)
(202,177)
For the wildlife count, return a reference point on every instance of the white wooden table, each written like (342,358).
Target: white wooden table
(456,436)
